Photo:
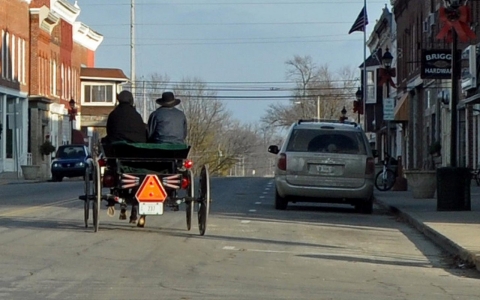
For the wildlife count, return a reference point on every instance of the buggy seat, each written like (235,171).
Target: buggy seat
(145,157)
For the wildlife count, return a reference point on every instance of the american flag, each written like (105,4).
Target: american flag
(361,21)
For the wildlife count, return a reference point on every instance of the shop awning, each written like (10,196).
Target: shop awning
(475,99)
(401,109)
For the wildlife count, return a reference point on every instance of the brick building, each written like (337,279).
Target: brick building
(14,83)
(422,99)
(59,47)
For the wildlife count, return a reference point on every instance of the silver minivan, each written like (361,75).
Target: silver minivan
(326,161)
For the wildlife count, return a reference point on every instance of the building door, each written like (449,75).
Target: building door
(12,130)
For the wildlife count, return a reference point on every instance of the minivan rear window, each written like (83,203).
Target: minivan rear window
(326,141)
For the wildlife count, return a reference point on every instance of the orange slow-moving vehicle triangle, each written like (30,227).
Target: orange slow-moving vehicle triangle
(151,190)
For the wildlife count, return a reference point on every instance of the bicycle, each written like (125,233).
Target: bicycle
(385,179)
(476,175)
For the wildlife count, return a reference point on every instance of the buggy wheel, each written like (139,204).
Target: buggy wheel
(88,193)
(98,196)
(204,200)
(189,204)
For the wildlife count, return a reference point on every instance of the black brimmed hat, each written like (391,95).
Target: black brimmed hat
(168,100)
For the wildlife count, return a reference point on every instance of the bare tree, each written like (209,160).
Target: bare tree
(154,88)
(318,90)
(206,116)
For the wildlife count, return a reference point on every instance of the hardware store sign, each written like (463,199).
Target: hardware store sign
(436,64)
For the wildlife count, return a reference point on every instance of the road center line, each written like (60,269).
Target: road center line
(34,208)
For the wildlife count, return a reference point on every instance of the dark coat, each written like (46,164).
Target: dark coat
(167,125)
(125,124)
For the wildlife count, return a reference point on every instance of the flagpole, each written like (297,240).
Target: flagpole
(365,87)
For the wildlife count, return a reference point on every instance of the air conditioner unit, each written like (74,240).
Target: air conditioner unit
(469,71)
(431,19)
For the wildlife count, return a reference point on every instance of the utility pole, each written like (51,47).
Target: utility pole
(132,46)
(144,102)
(454,101)
(318,108)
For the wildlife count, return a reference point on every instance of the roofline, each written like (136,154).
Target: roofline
(119,79)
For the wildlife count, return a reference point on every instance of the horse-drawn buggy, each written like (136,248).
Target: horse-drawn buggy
(148,177)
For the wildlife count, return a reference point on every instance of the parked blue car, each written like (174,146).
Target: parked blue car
(70,161)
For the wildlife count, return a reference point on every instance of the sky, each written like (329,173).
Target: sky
(234,45)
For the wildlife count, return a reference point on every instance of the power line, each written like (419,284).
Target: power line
(230,39)
(249,82)
(150,89)
(230,3)
(229,43)
(348,95)
(222,24)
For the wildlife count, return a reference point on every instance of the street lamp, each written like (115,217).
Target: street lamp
(452,3)
(72,113)
(387,59)
(358,104)
(344,113)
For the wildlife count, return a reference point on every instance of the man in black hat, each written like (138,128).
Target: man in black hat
(124,123)
(167,124)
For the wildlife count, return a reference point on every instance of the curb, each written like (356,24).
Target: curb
(21,182)
(440,240)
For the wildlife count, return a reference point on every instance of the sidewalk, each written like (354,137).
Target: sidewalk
(457,232)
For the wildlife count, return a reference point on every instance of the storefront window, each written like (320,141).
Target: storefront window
(371,91)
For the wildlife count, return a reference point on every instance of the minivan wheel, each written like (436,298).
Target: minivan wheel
(280,202)
(366,207)
(57,178)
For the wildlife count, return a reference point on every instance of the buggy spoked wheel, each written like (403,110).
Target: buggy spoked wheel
(98,195)
(203,200)
(191,202)
(88,193)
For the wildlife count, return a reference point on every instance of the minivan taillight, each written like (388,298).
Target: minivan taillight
(370,166)
(282,162)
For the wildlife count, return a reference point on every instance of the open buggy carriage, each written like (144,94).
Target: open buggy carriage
(150,175)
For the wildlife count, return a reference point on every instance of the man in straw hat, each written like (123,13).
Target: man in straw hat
(167,124)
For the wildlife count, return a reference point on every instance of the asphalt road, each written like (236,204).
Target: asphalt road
(250,251)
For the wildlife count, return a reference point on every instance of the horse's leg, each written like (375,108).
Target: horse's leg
(134,213)
(123,212)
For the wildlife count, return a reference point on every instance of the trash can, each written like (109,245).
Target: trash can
(453,189)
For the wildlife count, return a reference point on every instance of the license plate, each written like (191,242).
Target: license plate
(324,169)
(321,169)
(150,208)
